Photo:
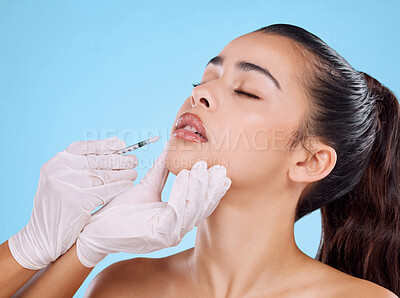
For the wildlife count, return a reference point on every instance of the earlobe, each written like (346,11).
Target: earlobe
(315,167)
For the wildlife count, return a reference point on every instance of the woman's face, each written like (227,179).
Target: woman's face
(246,135)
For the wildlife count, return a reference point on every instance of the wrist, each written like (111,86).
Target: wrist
(61,279)
(15,275)
(86,253)
(23,248)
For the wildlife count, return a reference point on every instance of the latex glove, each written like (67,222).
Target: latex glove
(71,185)
(139,222)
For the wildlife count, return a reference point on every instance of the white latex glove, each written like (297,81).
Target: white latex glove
(71,185)
(138,221)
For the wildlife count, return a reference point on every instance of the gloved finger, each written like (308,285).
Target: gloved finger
(101,177)
(157,175)
(171,217)
(103,162)
(217,186)
(135,196)
(92,178)
(106,146)
(196,195)
(105,193)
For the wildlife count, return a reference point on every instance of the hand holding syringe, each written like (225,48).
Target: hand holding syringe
(134,218)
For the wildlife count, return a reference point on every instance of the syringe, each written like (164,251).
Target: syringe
(137,145)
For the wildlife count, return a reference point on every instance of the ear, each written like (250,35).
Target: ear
(314,166)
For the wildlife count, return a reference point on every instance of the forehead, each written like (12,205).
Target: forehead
(276,53)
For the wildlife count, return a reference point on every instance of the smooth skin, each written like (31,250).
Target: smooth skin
(246,248)
(60,279)
(16,275)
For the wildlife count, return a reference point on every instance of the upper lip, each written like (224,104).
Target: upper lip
(192,120)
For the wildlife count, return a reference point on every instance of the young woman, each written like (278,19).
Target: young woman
(297,129)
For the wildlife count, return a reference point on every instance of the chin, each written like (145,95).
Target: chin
(183,154)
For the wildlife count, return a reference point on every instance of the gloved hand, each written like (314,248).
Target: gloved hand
(138,221)
(71,185)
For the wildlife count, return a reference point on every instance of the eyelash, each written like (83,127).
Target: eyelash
(237,91)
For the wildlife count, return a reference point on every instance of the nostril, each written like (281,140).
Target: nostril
(204,101)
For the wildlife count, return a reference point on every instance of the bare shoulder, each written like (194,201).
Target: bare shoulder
(365,288)
(128,278)
(335,283)
(134,278)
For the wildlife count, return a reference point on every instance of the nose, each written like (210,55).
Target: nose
(202,101)
(202,98)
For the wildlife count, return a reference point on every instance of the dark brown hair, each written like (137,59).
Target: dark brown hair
(360,199)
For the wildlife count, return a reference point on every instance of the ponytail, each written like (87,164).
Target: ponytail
(361,229)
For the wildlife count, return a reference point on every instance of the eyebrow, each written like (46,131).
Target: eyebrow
(247,66)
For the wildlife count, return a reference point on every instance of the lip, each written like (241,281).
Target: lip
(194,121)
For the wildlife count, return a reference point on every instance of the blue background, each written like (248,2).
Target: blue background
(73,70)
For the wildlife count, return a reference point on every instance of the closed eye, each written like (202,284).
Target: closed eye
(246,94)
(237,91)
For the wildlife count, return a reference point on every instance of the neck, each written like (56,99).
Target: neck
(245,242)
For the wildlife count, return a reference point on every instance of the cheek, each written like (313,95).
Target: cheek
(262,165)
(256,153)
